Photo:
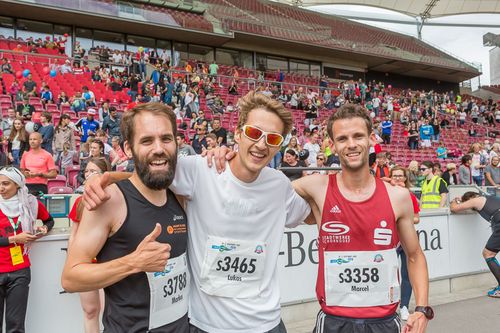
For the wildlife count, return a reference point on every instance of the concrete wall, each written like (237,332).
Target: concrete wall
(495,65)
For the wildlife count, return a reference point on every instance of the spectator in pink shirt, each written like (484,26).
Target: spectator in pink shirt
(37,165)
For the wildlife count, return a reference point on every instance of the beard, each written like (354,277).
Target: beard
(157,180)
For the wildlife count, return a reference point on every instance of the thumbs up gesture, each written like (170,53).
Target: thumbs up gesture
(150,255)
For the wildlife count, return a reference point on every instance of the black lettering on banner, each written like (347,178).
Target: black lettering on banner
(291,248)
(313,247)
(357,275)
(423,239)
(174,284)
(430,243)
(238,265)
(436,241)
(295,248)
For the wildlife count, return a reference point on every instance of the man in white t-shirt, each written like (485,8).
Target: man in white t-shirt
(313,147)
(236,223)
(376,104)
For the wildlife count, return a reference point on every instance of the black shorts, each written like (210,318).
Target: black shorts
(493,243)
(333,324)
(278,329)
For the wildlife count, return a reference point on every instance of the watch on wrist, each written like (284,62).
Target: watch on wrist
(426,310)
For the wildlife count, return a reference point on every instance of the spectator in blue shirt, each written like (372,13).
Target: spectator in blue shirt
(386,130)
(87,126)
(426,132)
(442,152)
(46,95)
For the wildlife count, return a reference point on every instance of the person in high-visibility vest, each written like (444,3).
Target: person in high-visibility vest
(434,188)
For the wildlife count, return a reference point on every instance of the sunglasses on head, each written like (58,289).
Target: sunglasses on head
(255,134)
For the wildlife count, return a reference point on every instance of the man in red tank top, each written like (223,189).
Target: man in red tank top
(361,221)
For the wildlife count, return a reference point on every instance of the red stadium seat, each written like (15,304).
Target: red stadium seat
(71,174)
(60,190)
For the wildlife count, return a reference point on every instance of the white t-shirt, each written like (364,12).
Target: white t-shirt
(117,58)
(314,150)
(220,205)
(16,144)
(476,161)
(107,148)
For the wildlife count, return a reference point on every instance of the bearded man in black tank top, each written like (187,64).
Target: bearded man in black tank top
(139,235)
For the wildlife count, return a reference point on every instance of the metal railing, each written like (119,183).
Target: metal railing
(310,168)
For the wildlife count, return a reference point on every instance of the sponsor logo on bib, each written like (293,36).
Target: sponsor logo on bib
(342,260)
(224,247)
(167,270)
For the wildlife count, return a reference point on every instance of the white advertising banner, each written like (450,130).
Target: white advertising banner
(434,240)
(452,245)
(471,233)
(298,264)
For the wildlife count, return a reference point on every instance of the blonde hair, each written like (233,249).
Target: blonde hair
(451,166)
(471,148)
(252,101)
(413,165)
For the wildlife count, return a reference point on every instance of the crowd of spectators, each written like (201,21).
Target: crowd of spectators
(201,100)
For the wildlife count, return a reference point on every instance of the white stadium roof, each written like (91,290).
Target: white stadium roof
(424,9)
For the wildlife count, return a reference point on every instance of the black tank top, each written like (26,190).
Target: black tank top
(491,210)
(127,302)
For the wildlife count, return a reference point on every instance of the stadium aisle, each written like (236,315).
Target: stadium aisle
(478,315)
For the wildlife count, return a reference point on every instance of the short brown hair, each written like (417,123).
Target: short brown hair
(349,111)
(47,115)
(252,101)
(159,109)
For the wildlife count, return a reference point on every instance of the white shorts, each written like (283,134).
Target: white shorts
(426,143)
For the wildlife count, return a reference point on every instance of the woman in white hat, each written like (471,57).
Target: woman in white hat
(18,212)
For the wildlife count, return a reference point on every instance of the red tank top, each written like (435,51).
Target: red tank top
(355,226)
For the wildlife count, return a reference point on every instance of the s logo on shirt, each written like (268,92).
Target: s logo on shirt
(382,236)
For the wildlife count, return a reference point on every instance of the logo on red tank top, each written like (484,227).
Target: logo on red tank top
(337,232)
(382,236)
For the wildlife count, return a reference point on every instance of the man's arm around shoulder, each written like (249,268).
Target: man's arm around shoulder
(80,274)
(308,188)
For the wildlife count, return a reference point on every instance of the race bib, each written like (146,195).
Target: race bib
(169,292)
(233,268)
(361,278)
(16,254)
